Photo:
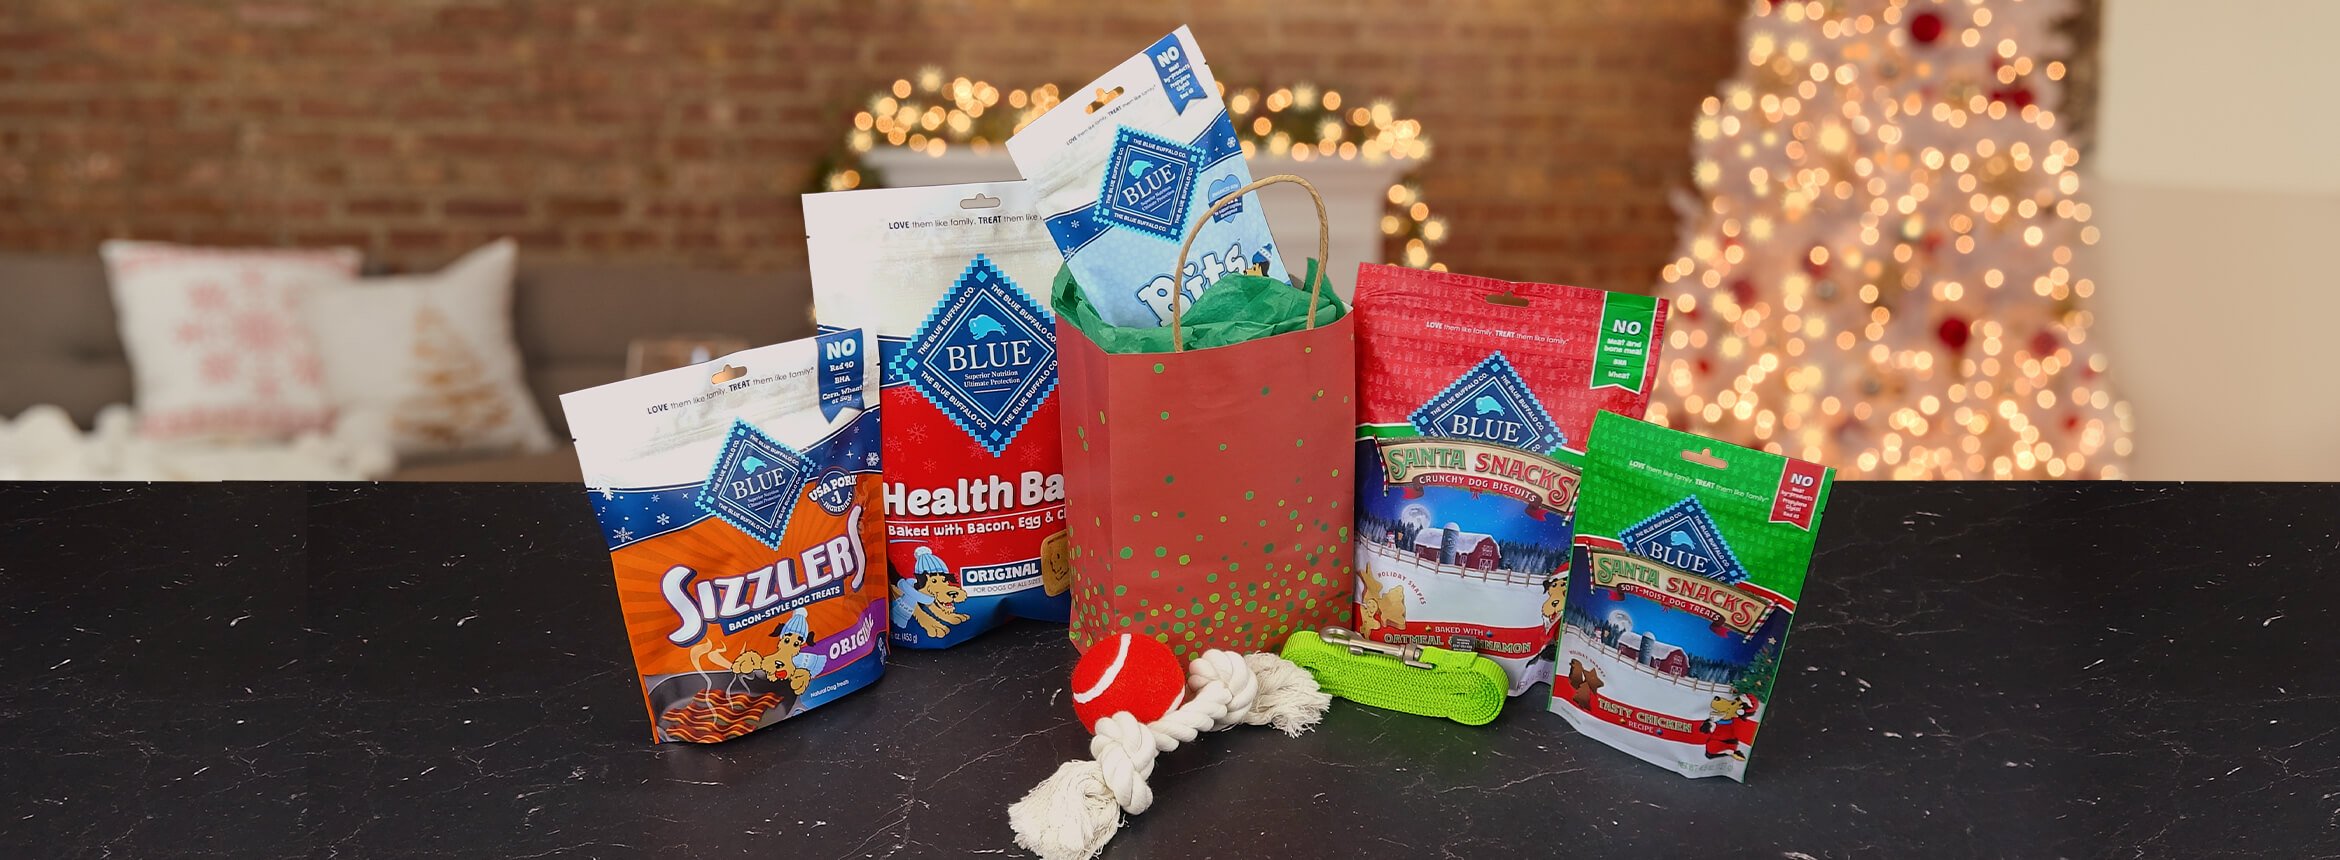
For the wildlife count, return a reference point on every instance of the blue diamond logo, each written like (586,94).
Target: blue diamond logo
(1149,183)
(985,356)
(1490,403)
(1684,536)
(754,483)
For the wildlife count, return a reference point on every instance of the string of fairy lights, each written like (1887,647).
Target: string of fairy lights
(1888,234)
(929,113)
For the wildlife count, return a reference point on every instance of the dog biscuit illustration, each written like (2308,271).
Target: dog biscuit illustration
(1584,683)
(1056,563)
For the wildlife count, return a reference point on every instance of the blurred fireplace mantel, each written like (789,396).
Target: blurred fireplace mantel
(1355,197)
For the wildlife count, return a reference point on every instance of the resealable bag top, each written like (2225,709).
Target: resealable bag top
(1690,556)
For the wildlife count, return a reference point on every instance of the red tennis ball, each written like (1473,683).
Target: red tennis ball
(1126,673)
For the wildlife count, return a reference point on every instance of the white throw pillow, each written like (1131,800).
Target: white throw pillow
(216,343)
(434,353)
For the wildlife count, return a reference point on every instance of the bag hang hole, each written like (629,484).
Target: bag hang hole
(980,201)
(1507,299)
(727,374)
(1705,457)
(1104,97)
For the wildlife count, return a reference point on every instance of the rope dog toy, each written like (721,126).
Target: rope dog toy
(1132,695)
(1422,680)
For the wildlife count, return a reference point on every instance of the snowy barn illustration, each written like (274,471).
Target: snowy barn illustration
(1646,650)
(1667,659)
(1451,545)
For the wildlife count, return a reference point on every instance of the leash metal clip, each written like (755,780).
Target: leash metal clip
(1410,655)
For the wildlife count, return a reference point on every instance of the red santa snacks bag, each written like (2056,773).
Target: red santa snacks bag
(1476,397)
(740,501)
(1689,557)
(945,277)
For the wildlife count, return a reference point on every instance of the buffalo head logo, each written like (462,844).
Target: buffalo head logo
(1487,405)
(983,326)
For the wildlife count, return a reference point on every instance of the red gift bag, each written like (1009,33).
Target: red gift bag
(1209,489)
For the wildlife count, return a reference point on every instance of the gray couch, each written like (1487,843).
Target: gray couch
(58,342)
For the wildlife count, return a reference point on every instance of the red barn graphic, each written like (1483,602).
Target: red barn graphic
(1471,549)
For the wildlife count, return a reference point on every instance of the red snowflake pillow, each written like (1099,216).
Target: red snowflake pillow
(215,337)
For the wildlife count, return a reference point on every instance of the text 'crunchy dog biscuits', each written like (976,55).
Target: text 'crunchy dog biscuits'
(1123,166)
(1690,557)
(1476,397)
(741,505)
(945,277)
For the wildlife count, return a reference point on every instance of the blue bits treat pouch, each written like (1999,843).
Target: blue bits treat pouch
(1124,165)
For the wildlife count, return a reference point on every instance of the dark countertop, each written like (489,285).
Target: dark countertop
(2026,670)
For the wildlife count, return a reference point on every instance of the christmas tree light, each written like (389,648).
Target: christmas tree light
(1879,276)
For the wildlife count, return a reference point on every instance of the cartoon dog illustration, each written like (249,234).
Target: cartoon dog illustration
(1583,683)
(790,658)
(1730,726)
(1487,405)
(1377,608)
(788,661)
(1555,597)
(928,596)
(940,611)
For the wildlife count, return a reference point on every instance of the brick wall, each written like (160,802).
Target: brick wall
(682,130)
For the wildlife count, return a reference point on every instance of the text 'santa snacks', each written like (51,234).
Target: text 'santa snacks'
(1690,555)
(1120,182)
(740,501)
(1476,397)
(953,280)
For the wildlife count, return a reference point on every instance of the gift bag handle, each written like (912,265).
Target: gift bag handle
(1323,249)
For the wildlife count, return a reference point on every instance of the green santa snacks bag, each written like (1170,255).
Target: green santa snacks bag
(1689,556)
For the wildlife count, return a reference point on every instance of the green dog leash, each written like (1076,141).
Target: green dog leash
(1416,679)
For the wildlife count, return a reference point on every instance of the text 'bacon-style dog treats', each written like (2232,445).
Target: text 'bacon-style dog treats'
(740,502)
(952,280)
(1690,556)
(1475,397)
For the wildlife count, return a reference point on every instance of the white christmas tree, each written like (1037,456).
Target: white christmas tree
(1879,274)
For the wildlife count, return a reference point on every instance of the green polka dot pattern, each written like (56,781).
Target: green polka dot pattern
(1214,513)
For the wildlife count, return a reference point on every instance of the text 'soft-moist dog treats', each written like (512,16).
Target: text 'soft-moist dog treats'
(952,280)
(740,501)
(1476,397)
(1690,556)
(1120,184)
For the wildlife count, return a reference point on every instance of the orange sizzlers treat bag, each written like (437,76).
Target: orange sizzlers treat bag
(741,502)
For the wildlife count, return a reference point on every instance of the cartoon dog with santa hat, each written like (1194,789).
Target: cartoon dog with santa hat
(1731,726)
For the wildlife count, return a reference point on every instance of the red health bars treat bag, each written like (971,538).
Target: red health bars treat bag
(1689,557)
(1476,397)
(739,499)
(953,281)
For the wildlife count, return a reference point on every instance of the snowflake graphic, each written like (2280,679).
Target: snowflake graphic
(607,493)
(873,458)
(622,535)
(664,519)
(654,497)
(244,337)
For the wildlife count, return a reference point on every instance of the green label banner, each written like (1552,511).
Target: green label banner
(1622,359)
